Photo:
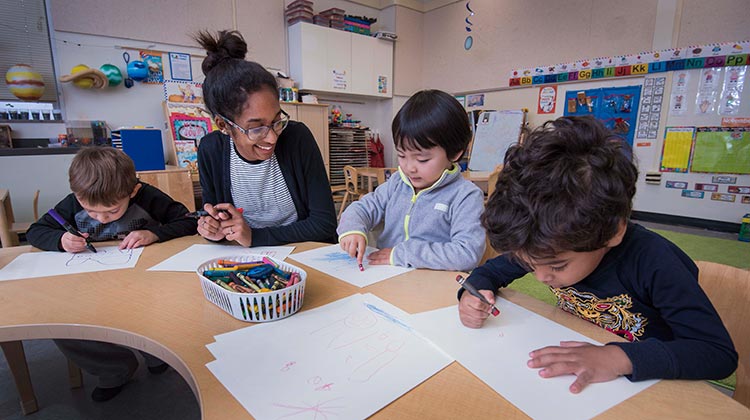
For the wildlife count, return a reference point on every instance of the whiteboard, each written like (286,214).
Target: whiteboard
(495,132)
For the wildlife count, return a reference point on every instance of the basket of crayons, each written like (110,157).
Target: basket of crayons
(253,288)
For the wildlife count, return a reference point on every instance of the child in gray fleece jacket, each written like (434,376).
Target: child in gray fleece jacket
(431,212)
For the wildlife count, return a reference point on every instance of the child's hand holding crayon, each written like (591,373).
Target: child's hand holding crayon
(473,311)
(74,243)
(355,245)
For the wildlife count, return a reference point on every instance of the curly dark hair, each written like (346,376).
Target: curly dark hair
(566,187)
(229,77)
(432,118)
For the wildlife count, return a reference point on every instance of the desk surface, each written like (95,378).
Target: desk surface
(165,313)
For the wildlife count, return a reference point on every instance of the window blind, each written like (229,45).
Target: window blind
(24,39)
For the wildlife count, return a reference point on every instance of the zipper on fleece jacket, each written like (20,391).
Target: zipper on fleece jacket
(415,196)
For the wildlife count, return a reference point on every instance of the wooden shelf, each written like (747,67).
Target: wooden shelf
(32,121)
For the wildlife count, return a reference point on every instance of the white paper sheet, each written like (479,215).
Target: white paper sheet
(52,263)
(344,360)
(497,353)
(333,261)
(191,258)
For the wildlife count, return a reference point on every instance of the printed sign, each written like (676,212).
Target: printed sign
(723,179)
(738,190)
(729,198)
(680,185)
(707,187)
(692,194)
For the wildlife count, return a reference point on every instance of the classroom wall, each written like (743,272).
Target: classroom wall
(510,34)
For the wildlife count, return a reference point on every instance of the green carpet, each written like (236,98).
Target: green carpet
(699,248)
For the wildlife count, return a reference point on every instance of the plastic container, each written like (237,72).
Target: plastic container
(255,307)
(744,235)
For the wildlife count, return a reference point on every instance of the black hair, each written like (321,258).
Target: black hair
(432,118)
(566,187)
(229,78)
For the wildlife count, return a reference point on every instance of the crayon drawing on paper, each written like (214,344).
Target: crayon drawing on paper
(333,261)
(344,360)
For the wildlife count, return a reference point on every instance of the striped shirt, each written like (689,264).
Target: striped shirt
(259,188)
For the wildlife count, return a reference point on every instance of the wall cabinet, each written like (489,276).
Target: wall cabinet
(315,117)
(330,60)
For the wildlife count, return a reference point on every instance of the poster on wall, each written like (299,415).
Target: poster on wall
(152,59)
(547,100)
(678,97)
(731,92)
(475,100)
(675,154)
(649,113)
(721,150)
(708,89)
(179,66)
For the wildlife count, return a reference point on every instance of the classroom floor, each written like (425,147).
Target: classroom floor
(168,396)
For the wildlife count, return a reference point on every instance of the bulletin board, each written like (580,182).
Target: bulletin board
(616,107)
(495,132)
(722,150)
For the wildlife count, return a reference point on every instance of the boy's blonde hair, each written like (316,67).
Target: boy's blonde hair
(102,175)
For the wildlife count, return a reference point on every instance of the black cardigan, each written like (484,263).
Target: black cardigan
(304,174)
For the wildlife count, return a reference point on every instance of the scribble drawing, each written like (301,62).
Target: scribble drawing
(353,328)
(287,366)
(102,257)
(369,368)
(339,260)
(322,408)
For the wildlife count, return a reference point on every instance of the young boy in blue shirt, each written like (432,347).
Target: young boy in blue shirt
(561,210)
(108,203)
(431,212)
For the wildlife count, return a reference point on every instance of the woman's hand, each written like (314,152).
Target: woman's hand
(233,225)
(209,226)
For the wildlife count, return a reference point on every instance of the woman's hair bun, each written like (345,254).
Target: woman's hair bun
(226,45)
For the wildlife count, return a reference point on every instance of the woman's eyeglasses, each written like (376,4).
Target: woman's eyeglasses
(259,133)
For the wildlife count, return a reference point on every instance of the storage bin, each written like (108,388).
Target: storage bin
(254,307)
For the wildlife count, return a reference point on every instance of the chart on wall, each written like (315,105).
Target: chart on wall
(616,107)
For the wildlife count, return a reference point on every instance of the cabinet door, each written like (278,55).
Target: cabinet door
(372,66)
(307,52)
(315,118)
(339,61)
(291,109)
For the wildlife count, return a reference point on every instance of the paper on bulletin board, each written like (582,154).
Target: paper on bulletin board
(708,89)
(721,150)
(678,143)
(734,81)
(547,100)
(152,59)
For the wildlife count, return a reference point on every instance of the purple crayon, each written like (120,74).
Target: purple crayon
(67,226)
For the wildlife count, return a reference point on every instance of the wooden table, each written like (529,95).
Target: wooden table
(378,174)
(165,314)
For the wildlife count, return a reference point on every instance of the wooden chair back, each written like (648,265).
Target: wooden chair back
(7,237)
(728,288)
(351,182)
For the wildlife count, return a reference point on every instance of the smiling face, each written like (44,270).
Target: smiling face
(423,166)
(261,109)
